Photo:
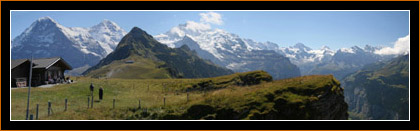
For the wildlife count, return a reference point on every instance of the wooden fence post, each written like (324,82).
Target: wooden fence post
(113,104)
(65,104)
(164,101)
(31,117)
(49,108)
(88,101)
(187,97)
(37,109)
(163,87)
(139,104)
(91,102)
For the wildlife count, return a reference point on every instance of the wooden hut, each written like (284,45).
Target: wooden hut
(44,70)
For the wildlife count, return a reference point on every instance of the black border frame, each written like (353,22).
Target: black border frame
(6,6)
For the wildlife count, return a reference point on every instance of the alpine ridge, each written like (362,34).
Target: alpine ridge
(139,55)
(229,50)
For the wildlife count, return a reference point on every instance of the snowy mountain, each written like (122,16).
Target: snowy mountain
(215,41)
(300,54)
(304,57)
(195,47)
(78,46)
(326,61)
(229,50)
(108,34)
(260,45)
(86,46)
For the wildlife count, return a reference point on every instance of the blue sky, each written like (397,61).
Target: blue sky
(336,29)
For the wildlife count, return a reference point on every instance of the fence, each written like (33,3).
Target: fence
(50,106)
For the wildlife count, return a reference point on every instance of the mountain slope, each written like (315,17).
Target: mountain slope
(300,98)
(195,47)
(78,46)
(379,91)
(229,50)
(108,34)
(148,56)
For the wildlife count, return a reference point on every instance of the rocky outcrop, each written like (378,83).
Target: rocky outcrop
(331,106)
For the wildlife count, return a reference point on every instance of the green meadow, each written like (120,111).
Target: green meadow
(252,92)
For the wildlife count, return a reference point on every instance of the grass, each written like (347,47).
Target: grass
(127,92)
(235,96)
(142,68)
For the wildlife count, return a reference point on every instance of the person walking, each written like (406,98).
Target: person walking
(91,88)
(101,93)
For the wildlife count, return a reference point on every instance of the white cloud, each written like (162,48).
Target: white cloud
(194,26)
(190,27)
(211,17)
(401,46)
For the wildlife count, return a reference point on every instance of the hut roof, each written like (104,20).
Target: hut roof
(48,62)
(17,62)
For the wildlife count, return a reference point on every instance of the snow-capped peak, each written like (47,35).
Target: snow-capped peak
(46,19)
(108,22)
(106,26)
(352,50)
(347,50)
(302,47)
(325,47)
(43,25)
(211,40)
(357,48)
(108,34)
(98,40)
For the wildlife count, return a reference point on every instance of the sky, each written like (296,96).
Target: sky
(336,29)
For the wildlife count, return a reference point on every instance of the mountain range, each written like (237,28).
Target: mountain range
(326,61)
(78,46)
(242,54)
(375,85)
(139,55)
(85,47)
(229,50)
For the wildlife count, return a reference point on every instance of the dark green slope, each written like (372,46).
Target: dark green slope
(162,62)
(379,91)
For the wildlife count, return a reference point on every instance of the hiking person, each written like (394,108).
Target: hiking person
(101,93)
(91,88)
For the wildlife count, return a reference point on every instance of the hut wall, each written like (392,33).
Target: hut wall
(19,72)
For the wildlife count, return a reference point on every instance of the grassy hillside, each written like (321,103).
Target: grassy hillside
(250,95)
(141,68)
